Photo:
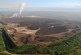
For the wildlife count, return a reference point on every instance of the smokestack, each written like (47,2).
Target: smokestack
(22,7)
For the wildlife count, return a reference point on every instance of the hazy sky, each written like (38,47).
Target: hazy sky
(42,4)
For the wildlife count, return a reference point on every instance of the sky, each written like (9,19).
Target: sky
(41,4)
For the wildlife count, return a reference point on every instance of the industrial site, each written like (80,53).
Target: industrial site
(40,27)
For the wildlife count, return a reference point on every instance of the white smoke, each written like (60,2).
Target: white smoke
(14,15)
(22,7)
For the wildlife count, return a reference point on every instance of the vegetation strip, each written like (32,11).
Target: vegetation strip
(67,46)
(1,43)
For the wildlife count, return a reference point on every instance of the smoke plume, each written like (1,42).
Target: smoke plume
(22,7)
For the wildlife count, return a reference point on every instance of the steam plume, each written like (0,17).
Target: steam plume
(22,7)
